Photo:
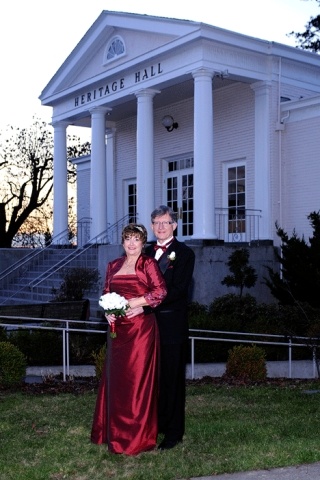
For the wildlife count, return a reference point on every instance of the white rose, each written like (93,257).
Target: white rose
(172,256)
(113,302)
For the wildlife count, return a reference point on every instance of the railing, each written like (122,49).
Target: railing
(252,338)
(65,329)
(237,224)
(83,231)
(34,253)
(111,235)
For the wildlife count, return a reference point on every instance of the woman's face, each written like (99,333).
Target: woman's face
(132,245)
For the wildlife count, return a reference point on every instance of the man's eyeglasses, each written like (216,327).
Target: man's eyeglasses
(162,224)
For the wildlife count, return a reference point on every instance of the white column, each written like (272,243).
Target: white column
(60,184)
(262,181)
(204,201)
(145,157)
(110,166)
(98,183)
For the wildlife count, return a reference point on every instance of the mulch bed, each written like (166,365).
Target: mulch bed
(78,386)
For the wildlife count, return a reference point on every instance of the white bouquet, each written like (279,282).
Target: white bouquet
(115,304)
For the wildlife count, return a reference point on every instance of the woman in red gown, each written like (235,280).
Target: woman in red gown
(125,415)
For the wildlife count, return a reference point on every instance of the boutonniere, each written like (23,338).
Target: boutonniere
(172,256)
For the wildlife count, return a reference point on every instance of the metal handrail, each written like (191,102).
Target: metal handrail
(238,224)
(103,237)
(67,329)
(289,343)
(99,239)
(28,258)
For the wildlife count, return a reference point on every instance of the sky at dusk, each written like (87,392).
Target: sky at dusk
(36,36)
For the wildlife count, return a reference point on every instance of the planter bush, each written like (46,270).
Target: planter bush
(12,365)
(99,359)
(40,347)
(247,363)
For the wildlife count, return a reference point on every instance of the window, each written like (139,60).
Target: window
(132,202)
(179,192)
(115,49)
(237,199)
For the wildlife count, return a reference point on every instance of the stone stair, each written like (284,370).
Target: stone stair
(35,279)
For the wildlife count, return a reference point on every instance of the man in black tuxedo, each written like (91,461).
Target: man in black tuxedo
(176,261)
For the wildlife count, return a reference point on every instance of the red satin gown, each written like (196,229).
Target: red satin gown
(126,409)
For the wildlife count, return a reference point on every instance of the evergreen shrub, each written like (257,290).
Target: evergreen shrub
(231,313)
(99,359)
(12,364)
(75,283)
(40,347)
(247,363)
(82,344)
(3,334)
(199,320)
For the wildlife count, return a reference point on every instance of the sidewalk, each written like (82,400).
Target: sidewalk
(301,472)
(300,369)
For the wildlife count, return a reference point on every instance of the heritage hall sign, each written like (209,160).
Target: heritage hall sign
(119,84)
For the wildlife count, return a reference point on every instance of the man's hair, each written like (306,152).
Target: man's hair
(136,230)
(163,210)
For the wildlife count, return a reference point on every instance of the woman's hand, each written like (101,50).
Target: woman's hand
(137,302)
(133,312)
(111,318)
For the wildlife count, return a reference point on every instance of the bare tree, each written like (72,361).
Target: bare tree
(26,167)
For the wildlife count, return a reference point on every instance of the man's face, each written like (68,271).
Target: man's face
(163,227)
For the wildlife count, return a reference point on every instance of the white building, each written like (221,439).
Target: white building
(242,153)
(247,114)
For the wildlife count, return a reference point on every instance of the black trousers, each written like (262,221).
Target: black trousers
(171,410)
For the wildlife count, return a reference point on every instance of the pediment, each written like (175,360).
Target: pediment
(140,34)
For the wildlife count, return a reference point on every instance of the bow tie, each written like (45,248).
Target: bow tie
(163,247)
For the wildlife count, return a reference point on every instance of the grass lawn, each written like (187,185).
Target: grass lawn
(229,428)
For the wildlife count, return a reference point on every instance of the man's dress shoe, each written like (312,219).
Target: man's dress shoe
(168,444)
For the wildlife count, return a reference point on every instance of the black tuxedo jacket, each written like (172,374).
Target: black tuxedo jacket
(172,313)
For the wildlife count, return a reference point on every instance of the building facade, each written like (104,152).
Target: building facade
(241,153)
(222,127)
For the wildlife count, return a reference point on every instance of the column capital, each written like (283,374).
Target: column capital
(60,124)
(110,131)
(101,110)
(262,86)
(203,72)
(146,92)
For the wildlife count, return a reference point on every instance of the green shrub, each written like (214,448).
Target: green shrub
(233,313)
(12,364)
(76,282)
(199,319)
(3,334)
(230,313)
(247,363)
(99,359)
(81,345)
(40,347)
(198,316)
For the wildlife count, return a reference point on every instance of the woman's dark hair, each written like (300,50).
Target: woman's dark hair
(133,229)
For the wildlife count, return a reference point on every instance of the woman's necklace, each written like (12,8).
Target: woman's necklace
(130,267)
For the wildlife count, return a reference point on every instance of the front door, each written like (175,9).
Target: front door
(237,203)
(179,193)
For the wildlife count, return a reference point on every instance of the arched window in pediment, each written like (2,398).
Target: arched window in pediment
(115,49)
